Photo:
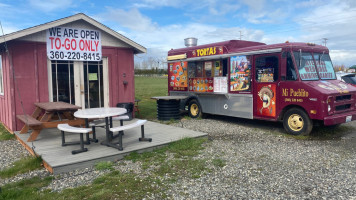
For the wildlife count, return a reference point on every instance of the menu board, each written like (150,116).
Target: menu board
(178,76)
(220,84)
(201,85)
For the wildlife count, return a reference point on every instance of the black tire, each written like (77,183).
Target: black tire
(194,109)
(167,103)
(297,122)
(168,111)
(168,107)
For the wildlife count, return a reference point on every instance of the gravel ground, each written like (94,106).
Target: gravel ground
(261,163)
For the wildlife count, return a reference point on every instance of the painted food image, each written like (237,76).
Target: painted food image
(201,85)
(178,75)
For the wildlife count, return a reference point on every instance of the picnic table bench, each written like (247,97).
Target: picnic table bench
(49,115)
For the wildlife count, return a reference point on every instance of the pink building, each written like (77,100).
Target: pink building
(74,59)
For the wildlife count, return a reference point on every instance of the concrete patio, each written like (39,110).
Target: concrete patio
(58,159)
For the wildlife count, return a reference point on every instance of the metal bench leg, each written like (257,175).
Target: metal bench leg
(94,135)
(64,143)
(120,142)
(88,139)
(82,149)
(63,139)
(143,135)
(121,124)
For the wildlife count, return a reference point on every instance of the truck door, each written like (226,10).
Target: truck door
(265,88)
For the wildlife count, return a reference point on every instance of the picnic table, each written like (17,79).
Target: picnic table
(99,113)
(49,115)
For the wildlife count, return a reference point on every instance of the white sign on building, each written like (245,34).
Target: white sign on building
(65,43)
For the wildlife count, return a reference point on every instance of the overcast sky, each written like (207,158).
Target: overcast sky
(160,25)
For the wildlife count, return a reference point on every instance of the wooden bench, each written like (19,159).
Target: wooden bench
(29,120)
(72,129)
(120,130)
(30,123)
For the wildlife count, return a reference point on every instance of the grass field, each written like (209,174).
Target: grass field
(145,88)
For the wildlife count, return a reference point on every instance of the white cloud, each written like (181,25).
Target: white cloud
(255,5)
(342,57)
(131,19)
(160,3)
(8,29)
(334,21)
(52,5)
(2,5)
(310,3)
(259,12)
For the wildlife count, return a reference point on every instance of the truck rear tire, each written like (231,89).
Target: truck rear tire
(297,122)
(194,109)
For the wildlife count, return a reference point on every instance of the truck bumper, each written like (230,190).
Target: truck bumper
(340,118)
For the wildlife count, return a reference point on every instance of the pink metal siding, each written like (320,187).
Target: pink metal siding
(121,63)
(6,106)
(30,64)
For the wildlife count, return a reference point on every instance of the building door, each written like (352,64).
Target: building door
(85,84)
(95,84)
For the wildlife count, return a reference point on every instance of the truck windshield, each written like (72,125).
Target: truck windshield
(324,66)
(306,66)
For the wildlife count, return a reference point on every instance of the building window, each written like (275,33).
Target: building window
(63,81)
(1,78)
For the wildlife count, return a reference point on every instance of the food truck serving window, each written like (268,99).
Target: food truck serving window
(306,66)
(324,66)
(267,69)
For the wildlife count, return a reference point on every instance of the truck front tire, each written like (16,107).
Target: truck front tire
(297,122)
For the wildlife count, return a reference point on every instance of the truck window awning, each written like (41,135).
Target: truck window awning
(222,56)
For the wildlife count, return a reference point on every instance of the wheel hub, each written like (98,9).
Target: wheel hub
(295,122)
(194,109)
